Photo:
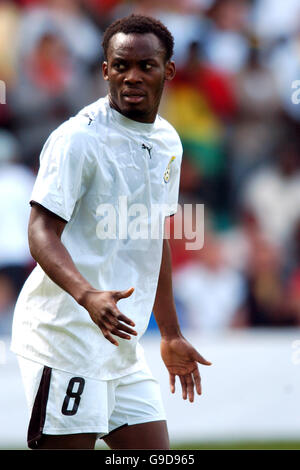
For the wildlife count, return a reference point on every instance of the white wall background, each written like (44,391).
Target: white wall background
(252,391)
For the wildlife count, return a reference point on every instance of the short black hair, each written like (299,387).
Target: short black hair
(139,24)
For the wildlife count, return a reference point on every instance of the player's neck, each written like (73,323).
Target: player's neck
(134,116)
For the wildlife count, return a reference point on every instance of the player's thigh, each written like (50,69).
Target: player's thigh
(150,435)
(138,419)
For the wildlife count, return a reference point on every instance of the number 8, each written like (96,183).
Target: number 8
(71,394)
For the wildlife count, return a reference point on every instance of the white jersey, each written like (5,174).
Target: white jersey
(104,174)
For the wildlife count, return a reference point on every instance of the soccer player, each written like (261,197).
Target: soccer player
(84,307)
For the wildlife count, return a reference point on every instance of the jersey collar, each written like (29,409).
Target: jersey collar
(145,128)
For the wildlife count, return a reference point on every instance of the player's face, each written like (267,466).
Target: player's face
(136,70)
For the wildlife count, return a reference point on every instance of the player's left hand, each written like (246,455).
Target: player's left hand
(182,359)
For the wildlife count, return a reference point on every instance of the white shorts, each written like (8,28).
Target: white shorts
(62,403)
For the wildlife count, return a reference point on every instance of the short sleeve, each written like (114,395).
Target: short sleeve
(173,183)
(62,176)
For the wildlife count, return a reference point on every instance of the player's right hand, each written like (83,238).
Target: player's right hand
(103,310)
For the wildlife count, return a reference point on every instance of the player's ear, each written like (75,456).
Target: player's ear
(170,70)
(105,70)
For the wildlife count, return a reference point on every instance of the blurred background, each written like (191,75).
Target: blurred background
(238,298)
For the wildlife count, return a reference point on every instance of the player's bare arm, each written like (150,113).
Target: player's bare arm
(179,356)
(44,233)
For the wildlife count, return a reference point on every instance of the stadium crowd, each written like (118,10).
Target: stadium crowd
(231,103)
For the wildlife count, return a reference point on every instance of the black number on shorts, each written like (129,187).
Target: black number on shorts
(76,395)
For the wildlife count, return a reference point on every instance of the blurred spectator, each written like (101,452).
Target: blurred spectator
(267,303)
(184,228)
(284,61)
(68,20)
(190,180)
(51,88)
(273,194)
(275,19)
(226,36)
(59,59)
(211,292)
(293,296)
(239,240)
(259,110)
(7,301)
(28,3)
(292,260)
(292,273)
(182,17)
(103,12)
(199,103)
(255,89)
(9,26)
(16,183)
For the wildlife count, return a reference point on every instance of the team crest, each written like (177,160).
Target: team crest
(168,170)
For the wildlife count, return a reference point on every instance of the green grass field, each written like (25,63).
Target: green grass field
(259,445)
(250,445)
(242,445)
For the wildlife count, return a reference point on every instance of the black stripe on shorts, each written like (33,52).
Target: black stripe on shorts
(38,414)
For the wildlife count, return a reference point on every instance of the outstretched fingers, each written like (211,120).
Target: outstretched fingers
(189,383)
(108,329)
(112,324)
(183,387)
(197,381)
(125,319)
(118,295)
(109,337)
(116,317)
(172,378)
